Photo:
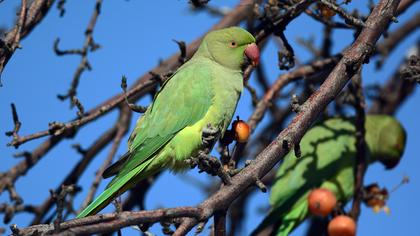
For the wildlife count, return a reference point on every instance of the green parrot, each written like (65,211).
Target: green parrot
(204,91)
(328,160)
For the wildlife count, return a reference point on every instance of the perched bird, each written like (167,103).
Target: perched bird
(204,91)
(328,160)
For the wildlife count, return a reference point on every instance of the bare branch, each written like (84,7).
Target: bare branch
(133,107)
(18,124)
(88,155)
(89,46)
(349,19)
(60,7)
(27,21)
(361,162)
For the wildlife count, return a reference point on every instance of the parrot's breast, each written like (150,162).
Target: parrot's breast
(226,86)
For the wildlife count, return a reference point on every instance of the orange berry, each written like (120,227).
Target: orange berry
(342,226)
(242,131)
(325,11)
(321,202)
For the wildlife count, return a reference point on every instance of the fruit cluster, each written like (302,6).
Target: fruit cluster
(322,202)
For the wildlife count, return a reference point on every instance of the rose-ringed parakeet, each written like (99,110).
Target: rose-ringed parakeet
(204,91)
(328,160)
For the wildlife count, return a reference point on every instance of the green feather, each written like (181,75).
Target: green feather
(112,190)
(171,111)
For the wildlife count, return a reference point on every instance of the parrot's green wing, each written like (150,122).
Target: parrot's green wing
(181,102)
(114,168)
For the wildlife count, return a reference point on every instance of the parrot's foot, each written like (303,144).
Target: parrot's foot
(209,136)
(209,164)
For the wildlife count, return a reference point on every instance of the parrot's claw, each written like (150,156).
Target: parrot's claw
(209,164)
(209,136)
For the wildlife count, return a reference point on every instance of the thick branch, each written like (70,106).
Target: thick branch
(113,221)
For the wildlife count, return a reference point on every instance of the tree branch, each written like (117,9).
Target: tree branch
(113,221)
(27,21)
(88,46)
(361,162)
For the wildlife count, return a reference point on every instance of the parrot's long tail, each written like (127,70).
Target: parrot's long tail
(116,187)
(101,202)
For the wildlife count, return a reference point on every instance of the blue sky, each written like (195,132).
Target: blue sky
(134,36)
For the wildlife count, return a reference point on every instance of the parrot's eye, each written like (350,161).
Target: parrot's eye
(233,44)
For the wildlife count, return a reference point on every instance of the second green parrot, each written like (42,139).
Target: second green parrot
(328,160)
(204,91)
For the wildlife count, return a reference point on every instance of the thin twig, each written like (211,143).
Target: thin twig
(88,46)
(282,81)
(60,199)
(361,162)
(74,175)
(32,17)
(122,128)
(133,107)
(349,19)
(17,123)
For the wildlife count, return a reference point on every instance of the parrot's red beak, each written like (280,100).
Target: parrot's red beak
(253,53)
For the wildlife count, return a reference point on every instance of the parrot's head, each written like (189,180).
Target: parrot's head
(388,139)
(230,47)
